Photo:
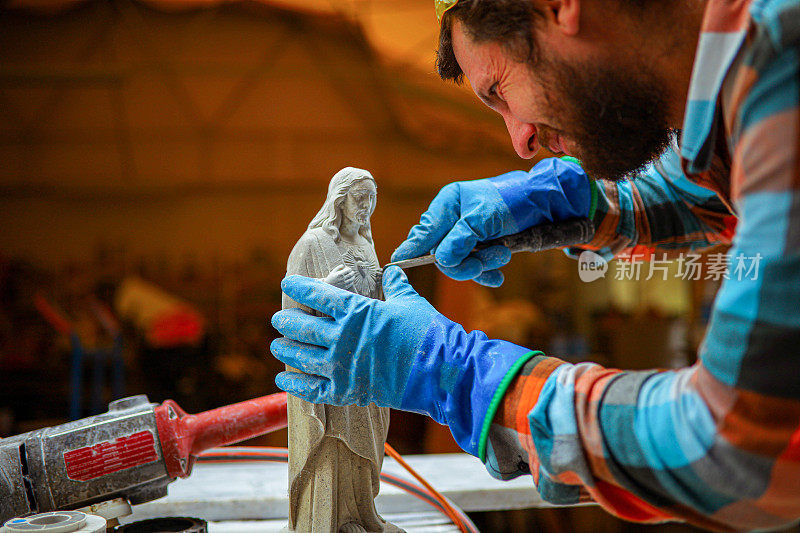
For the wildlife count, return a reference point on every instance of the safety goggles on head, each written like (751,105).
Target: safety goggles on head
(442,6)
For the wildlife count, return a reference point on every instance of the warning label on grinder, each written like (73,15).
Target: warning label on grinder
(108,457)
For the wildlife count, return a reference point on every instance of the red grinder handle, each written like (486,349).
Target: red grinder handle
(184,436)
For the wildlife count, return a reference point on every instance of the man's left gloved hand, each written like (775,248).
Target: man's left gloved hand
(398,353)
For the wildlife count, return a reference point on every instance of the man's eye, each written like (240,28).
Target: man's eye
(493,90)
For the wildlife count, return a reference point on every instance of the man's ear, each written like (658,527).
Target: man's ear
(566,14)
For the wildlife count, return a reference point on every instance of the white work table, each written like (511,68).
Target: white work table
(252,497)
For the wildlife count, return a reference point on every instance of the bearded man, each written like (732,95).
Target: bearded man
(681,120)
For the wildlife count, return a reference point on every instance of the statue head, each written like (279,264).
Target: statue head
(351,194)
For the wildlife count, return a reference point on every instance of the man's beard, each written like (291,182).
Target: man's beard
(616,119)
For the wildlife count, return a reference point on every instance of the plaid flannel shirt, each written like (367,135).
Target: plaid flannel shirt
(716,444)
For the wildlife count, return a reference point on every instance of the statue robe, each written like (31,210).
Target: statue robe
(335,453)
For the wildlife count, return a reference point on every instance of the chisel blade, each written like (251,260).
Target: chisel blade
(414,262)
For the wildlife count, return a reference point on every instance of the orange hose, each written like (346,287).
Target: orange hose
(449,511)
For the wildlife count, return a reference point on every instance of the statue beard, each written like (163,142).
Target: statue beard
(362,217)
(616,118)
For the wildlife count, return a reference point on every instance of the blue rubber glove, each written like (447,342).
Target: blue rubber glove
(467,212)
(398,353)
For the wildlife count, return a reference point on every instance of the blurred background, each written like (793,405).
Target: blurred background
(159,158)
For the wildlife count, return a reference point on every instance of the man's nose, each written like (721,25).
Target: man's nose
(523,136)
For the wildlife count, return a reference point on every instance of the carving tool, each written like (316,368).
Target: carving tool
(545,236)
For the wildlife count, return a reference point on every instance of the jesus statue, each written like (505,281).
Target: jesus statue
(336,453)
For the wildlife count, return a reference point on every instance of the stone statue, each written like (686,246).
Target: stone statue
(336,453)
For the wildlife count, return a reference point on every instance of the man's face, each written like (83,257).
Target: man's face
(360,201)
(613,117)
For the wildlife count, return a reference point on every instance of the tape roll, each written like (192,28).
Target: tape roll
(56,522)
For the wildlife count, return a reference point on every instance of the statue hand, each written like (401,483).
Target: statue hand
(342,276)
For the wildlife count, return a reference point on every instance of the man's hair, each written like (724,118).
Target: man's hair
(508,22)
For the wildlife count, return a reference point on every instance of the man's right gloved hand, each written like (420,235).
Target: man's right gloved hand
(467,212)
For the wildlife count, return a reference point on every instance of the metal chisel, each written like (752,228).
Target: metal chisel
(545,236)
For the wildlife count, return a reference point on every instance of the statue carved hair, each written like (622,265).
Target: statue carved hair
(330,215)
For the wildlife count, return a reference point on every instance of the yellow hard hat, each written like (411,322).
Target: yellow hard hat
(442,6)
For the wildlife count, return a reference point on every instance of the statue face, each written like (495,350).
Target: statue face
(360,201)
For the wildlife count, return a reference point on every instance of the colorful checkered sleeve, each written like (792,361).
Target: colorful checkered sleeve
(716,444)
(660,209)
